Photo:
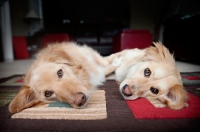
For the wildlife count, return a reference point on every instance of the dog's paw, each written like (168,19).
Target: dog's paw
(117,61)
(156,103)
(159,105)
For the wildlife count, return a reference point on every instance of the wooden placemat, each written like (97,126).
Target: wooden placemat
(95,110)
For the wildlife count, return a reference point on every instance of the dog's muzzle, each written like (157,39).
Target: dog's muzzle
(126,91)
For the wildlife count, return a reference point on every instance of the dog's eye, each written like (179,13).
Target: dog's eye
(48,93)
(60,73)
(147,72)
(154,90)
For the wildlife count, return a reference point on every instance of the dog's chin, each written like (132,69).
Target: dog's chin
(83,106)
(133,97)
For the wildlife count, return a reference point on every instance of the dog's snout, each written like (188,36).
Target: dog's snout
(126,91)
(80,99)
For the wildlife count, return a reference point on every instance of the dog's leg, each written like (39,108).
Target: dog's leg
(111,57)
(114,61)
(109,69)
(113,66)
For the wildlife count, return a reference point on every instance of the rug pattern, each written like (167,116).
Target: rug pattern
(119,118)
(6,96)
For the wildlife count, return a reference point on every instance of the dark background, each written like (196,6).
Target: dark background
(174,22)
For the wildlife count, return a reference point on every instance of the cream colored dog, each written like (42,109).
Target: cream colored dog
(151,73)
(64,72)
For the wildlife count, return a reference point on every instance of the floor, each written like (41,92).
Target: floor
(21,66)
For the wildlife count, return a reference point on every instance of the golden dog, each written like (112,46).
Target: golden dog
(65,72)
(151,73)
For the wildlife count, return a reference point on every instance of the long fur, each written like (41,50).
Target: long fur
(65,72)
(163,87)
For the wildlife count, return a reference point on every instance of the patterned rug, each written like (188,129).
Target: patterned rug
(16,80)
(6,96)
(119,116)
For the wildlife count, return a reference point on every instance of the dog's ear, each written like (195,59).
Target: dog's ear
(58,55)
(175,99)
(24,99)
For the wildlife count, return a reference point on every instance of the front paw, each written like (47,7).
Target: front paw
(156,103)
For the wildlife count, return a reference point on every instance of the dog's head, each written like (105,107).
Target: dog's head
(54,76)
(155,77)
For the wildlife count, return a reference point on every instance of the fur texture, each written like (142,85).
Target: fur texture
(151,73)
(65,72)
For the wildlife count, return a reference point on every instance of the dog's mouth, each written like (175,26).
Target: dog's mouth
(126,91)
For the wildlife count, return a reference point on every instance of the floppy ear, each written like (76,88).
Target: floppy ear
(58,55)
(175,99)
(24,99)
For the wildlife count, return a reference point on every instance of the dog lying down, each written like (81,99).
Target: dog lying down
(65,72)
(151,73)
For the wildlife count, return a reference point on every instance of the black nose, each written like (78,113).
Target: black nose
(80,99)
(126,90)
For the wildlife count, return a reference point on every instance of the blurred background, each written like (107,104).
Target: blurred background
(106,25)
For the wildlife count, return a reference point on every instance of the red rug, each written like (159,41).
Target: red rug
(143,109)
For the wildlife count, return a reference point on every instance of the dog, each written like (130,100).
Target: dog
(66,72)
(151,73)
